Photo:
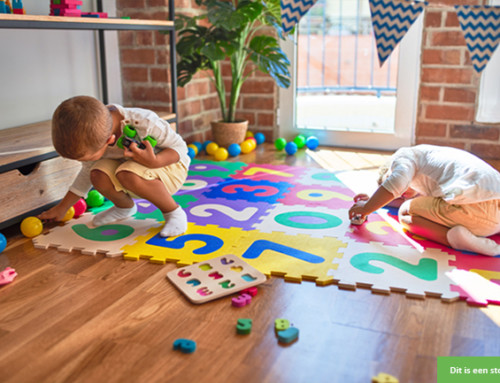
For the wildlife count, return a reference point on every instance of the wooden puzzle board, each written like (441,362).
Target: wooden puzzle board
(215,278)
(291,222)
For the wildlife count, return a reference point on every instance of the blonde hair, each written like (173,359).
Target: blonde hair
(80,125)
(382,172)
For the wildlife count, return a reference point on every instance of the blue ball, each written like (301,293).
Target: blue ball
(191,153)
(234,150)
(259,137)
(199,145)
(3,242)
(312,142)
(204,145)
(290,148)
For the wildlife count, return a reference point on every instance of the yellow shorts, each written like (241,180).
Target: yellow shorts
(481,218)
(172,176)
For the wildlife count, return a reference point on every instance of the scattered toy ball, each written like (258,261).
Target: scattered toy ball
(221,154)
(291,148)
(300,141)
(280,143)
(69,214)
(248,134)
(31,227)
(205,144)
(3,242)
(211,148)
(260,138)
(246,147)
(94,199)
(80,207)
(187,346)
(234,150)
(194,147)
(312,142)
(198,145)
(191,153)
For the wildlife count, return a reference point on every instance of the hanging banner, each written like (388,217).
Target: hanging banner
(292,11)
(391,19)
(481,27)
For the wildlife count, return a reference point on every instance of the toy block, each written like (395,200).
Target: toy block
(7,275)
(241,300)
(281,324)
(187,346)
(244,326)
(3,7)
(17,4)
(19,11)
(289,335)
(101,15)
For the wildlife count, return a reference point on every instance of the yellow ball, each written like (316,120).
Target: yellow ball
(253,141)
(212,148)
(69,214)
(248,134)
(246,147)
(194,147)
(31,227)
(221,154)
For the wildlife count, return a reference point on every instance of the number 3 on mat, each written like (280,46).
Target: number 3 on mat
(426,268)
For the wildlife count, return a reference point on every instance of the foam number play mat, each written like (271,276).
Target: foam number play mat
(290,222)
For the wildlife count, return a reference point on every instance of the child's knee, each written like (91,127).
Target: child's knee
(129,180)
(99,178)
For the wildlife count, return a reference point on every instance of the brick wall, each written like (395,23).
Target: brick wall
(146,78)
(449,88)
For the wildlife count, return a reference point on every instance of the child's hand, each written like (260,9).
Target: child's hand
(146,156)
(361,197)
(55,213)
(358,210)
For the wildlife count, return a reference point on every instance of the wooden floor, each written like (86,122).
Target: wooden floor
(79,318)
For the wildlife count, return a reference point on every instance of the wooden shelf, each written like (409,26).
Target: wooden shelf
(86,23)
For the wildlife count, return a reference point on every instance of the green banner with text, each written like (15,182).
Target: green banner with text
(468,369)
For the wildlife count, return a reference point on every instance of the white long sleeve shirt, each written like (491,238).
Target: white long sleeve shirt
(146,123)
(455,175)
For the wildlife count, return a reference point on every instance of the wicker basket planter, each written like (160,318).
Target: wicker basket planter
(227,133)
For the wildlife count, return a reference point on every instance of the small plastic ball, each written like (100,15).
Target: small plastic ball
(3,242)
(191,153)
(94,199)
(253,141)
(205,144)
(259,137)
(280,143)
(234,150)
(248,134)
(198,145)
(312,142)
(212,148)
(80,207)
(31,227)
(246,147)
(194,147)
(300,141)
(221,154)
(69,214)
(291,148)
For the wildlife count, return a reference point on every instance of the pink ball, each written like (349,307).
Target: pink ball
(80,207)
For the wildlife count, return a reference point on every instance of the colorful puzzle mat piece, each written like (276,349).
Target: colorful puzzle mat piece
(81,235)
(290,222)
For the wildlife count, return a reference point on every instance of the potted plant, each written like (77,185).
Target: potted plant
(236,31)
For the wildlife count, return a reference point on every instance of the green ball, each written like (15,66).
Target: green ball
(300,141)
(94,199)
(280,143)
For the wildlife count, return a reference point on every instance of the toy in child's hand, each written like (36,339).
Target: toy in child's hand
(130,136)
(358,220)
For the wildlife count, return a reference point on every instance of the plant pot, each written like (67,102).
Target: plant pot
(227,133)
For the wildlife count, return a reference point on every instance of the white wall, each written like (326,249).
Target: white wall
(41,68)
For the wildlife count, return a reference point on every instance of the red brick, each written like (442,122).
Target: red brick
(142,93)
(159,75)
(431,129)
(258,86)
(447,38)
(433,19)
(462,95)
(138,56)
(135,74)
(440,142)
(130,4)
(190,108)
(474,132)
(441,56)
(447,75)
(451,20)
(490,151)
(157,3)
(430,93)
(447,112)
(196,89)
(260,102)
(265,119)
(126,38)
(143,38)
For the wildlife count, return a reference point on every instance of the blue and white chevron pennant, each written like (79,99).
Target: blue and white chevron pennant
(292,11)
(391,19)
(481,27)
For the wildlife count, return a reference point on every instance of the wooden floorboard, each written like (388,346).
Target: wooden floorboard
(77,318)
